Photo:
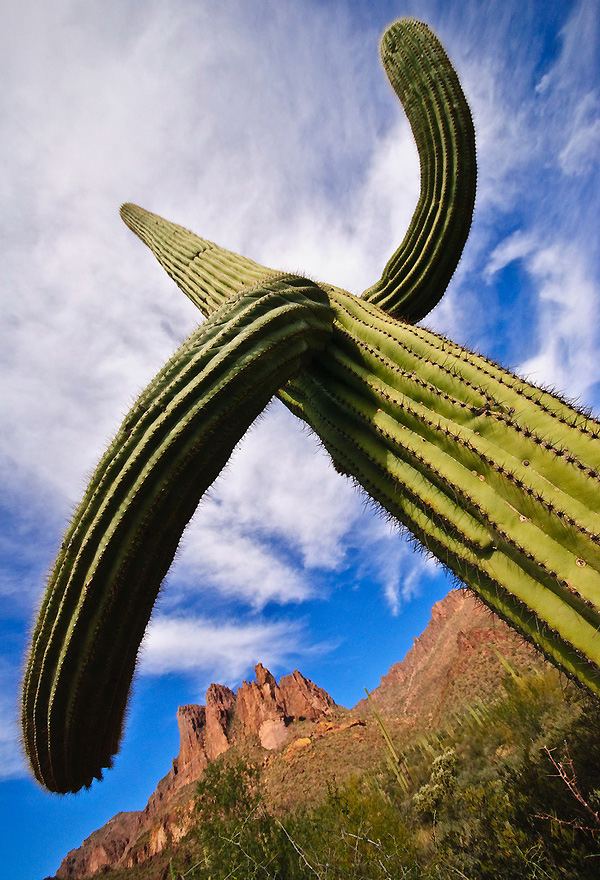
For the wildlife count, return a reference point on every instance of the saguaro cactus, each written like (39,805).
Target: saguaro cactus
(495,477)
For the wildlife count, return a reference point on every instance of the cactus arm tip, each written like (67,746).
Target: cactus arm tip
(206,273)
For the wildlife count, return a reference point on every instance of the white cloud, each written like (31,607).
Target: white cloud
(390,559)
(92,317)
(219,556)
(12,763)
(514,247)
(281,483)
(571,90)
(223,651)
(568,295)
(582,148)
(97,111)
(569,299)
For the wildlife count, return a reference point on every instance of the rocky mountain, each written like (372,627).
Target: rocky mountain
(262,710)
(294,729)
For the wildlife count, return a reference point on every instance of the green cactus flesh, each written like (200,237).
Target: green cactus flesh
(168,451)
(496,478)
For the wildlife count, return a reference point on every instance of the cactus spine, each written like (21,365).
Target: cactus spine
(495,477)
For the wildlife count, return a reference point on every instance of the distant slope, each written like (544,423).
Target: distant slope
(455,660)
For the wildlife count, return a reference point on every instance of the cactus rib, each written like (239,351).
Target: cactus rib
(170,448)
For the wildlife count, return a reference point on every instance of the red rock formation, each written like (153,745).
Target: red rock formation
(303,699)
(191,721)
(259,709)
(220,703)
(455,660)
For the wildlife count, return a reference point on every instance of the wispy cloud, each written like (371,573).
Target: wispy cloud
(569,300)
(224,650)
(11,758)
(387,556)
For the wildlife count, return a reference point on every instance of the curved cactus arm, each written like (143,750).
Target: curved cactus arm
(121,542)
(207,274)
(416,276)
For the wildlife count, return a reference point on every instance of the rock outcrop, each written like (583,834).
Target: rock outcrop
(265,708)
(262,709)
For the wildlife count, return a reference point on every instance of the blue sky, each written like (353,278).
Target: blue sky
(270,128)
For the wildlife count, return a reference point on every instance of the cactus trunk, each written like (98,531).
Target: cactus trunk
(495,478)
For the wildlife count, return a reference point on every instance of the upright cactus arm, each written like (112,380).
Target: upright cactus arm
(416,276)
(121,542)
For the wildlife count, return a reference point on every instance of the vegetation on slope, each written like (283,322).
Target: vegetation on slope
(508,789)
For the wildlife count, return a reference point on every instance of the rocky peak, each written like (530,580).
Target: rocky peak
(264,677)
(191,721)
(303,699)
(220,704)
(265,708)
(261,708)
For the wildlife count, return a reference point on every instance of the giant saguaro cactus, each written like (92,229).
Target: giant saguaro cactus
(494,476)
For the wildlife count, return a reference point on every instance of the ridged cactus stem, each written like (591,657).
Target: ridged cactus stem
(495,478)
(121,542)
(207,274)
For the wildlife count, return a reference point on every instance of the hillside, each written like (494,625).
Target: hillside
(301,739)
